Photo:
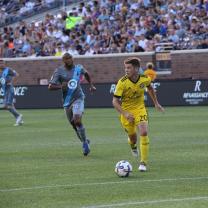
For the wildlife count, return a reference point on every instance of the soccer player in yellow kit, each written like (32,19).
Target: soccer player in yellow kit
(128,100)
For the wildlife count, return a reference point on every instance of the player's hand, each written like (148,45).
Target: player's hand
(92,88)
(64,86)
(129,117)
(159,107)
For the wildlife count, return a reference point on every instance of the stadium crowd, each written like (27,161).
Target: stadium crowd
(16,10)
(109,26)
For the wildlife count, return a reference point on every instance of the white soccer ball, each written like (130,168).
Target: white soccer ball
(123,168)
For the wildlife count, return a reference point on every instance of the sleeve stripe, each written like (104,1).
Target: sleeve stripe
(117,96)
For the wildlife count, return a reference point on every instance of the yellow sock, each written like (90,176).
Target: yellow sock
(132,145)
(144,148)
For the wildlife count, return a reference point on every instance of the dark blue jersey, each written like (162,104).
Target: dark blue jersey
(72,77)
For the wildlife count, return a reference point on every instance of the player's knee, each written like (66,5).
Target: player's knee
(77,122)
(143,129)
(7,107)
(133,138)
(143,132)
(73,124)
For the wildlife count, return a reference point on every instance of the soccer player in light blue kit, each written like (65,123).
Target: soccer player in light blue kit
(67,78)
(6,83)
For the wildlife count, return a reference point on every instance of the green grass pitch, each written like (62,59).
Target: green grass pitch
(42,166)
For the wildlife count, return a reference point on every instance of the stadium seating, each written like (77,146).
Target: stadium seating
(105,26)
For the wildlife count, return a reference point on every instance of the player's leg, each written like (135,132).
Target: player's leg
(78,110)
(8,102)
(132,135)
(144,145)
(132,140)
(142,124)
(82,134)
(19,117)
(69,115)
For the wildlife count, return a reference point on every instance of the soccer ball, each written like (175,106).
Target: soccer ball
(123,168)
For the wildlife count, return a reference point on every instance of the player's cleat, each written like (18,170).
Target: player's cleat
(142,167)
(19,121)
(135,152)
(134,149)
(86,147)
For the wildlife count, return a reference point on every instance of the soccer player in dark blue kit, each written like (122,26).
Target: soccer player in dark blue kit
(7,76)
(67,78)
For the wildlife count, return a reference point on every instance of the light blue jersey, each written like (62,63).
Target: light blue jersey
(72,77)
(6,78)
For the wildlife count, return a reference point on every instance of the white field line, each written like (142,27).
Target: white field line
(200,198)
(101,183)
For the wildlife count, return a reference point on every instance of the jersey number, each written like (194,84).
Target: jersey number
(143,118)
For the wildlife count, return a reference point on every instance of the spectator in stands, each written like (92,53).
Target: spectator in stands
(71,20)
(172,36)
(129,25)
(59,50)
(26,48)
(149,71)
(49,2)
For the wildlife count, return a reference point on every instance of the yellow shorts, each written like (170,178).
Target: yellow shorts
(140,115)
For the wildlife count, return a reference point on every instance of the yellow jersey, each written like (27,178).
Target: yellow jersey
(132,93)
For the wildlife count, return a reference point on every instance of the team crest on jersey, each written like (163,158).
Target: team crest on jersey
(72,84)
(2,81)
(142,86)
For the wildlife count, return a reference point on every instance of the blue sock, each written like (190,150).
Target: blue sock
(81,132)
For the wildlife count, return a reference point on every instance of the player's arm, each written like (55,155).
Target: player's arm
(117,105)
(53,86)
(88,78)
(153,96)
(117,102)
(55,83)
(117,98)
(14,74)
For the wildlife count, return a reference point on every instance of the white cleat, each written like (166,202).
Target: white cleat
(19,121)
(142,167)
